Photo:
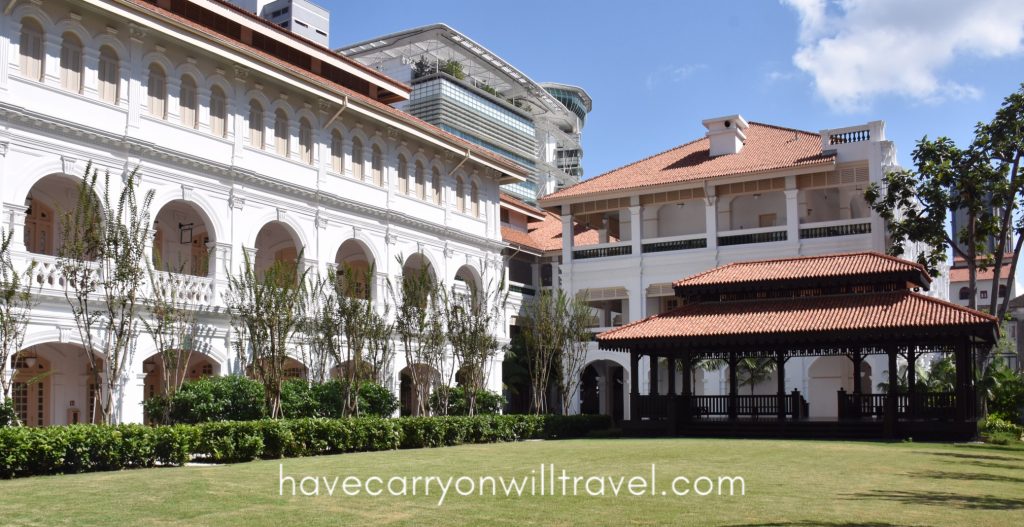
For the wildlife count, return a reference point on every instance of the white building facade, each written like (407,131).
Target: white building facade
(746,191)
(248,152)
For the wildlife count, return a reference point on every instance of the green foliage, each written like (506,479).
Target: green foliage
(232,397)
(1005,390)
(487,402)
(452,67)
(300,399)
(28,451)
(998,428)
(7,415)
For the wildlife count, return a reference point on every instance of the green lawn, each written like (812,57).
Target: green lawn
(787,483)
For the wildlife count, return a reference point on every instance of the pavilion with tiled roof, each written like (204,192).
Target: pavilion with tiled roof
(852,305)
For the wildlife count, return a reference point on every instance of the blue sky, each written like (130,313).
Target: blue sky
(655,69)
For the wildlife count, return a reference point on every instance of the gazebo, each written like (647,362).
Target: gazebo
(851,305)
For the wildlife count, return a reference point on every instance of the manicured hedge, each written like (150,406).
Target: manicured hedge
(87,448)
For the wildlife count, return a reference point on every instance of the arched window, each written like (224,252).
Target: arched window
(337,154)
(421,182)
(965,293)
(109,75)
(403,175)
(281,132)
(474,198)
(31,49)
(357,158)
(306,141)
(71,63)
(189,103)
(377,166)
(218,112)
(460,194)
(435,186)
(156,88)
(256,126)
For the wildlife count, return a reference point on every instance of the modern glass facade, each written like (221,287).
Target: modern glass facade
(571,100)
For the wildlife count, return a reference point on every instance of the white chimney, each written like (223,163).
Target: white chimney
(726,134)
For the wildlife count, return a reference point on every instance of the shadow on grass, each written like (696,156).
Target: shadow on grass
(943,499)
(817,523)
(958,455)
(965,476)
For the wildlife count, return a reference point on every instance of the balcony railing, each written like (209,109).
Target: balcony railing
(748,236)
(833,229)
(922,405)
(616,249)
(522,289)
(852,136)
(794,406)
(675,243)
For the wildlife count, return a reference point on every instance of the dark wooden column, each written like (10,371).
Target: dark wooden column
(671,375)
(634,385)
(733,388)
(687,374)
(858,362)
(780,374)
(654,374)
(891,403)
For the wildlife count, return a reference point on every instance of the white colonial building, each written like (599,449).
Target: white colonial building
(254,141)
(745,191)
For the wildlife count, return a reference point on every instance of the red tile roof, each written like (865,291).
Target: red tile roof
(767,148)
(962,274)
(802,268)
(546,235)
(515,202)
(512,167)
(817,314)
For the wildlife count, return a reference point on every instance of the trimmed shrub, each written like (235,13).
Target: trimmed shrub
(487,402)
(299,399)
(229,398)
(86,448)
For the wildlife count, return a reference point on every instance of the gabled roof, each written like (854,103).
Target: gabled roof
(546,235)
(820,316)
(767,148)
(773,274)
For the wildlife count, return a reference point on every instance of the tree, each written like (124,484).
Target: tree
(103,260)
(471,318)
(16,303)
(576,341)
(172,321)
(754,370)
(985,182)
(266,312)
(419,324)
(542,334)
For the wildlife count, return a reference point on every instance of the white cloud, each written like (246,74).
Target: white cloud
(672,74)
(859,49)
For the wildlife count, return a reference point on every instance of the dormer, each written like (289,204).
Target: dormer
(726,134)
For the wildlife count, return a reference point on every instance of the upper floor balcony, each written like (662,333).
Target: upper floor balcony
(773,222)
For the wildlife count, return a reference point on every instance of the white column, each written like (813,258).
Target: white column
(711,221)
(792,216)
(16,225)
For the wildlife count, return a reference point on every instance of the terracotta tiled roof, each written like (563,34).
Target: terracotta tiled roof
(546,235)
(505,198)
(479,151)
(803,267)
(518,237)
(962,274)
(817,314)
(767,148)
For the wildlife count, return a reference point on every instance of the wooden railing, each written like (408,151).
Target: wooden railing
(710,406)
(923,405)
